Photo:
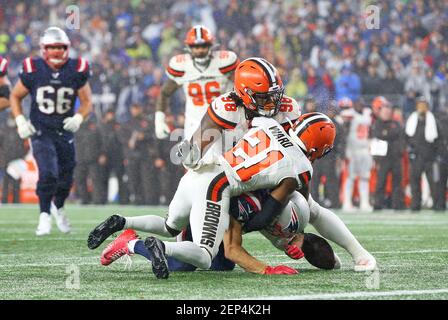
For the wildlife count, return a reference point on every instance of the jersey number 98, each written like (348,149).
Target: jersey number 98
(60,105)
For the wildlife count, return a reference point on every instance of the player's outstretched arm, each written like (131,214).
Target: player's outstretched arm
(234,251)
(72,124)
(192,151)
(273,206)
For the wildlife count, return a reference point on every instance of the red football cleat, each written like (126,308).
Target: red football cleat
(118,248)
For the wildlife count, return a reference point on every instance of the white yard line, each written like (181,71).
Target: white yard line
(359,294)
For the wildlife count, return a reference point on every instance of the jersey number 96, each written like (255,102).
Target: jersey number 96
(60,105)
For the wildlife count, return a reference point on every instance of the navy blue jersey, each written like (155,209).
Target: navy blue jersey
(53,92)
(3,67)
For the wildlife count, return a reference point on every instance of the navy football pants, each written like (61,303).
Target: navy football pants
(55,157)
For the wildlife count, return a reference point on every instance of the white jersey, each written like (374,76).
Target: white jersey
(201,86)
(232,120)
(263,158)
(358,134)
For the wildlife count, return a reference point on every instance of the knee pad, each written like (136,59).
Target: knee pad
(65,179)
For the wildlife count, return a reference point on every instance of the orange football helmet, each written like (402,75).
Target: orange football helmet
(378,103)
(259,86)
(314,132)
(200,36)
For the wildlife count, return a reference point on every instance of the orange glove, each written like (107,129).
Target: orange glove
(280,270)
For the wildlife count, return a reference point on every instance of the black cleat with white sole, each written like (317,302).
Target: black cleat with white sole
(156,250)
(104,230)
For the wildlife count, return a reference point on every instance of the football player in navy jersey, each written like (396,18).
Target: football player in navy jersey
(54,82)
(4,84)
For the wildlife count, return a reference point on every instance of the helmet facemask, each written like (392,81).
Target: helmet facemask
(202,60)
(266,104)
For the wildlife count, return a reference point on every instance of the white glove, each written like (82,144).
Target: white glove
(24,127)
(72,124)
(190,155)
(161,128)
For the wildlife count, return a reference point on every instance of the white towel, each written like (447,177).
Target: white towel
(430,126)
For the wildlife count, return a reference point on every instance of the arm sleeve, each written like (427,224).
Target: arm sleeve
(271,209)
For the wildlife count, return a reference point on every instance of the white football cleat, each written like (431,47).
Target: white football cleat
(61,219)
(44,226)
(337,264)
(365,263)
(366,207)
(348,207)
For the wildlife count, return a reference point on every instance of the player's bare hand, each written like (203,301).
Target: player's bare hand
(24,127)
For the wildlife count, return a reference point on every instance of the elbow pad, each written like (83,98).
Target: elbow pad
(271,209)
(4,91)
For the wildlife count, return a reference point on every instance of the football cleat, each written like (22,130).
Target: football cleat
(104,230)
(365,263)
(44,226)
(118,248)
(61,219)
(156,250)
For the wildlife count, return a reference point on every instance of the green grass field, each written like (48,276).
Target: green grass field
(411,249)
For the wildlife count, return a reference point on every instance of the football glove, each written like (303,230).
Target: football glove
(161,128)
(24,127)
(190,155)
(294,252)
(280,270)
(72,124)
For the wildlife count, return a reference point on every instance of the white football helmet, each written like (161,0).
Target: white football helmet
(54,36)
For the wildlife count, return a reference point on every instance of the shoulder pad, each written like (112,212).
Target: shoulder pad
(82,65)
(224,112)
(176,66)
(290,110)
(227,61)
(3,66)
(29,65)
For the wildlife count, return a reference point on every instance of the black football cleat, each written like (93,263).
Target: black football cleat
(156,250)
(104,230)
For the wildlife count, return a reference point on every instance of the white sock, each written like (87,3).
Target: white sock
(149,223)
(331,227)
(364,192)
(131,245)
(188,252)
(348,191)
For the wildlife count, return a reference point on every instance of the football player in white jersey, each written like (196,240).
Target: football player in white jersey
(203,73)
(359,120)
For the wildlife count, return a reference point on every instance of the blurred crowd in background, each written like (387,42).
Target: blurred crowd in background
(324,50)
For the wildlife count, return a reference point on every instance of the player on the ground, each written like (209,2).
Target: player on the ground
(203,73)
(286,233)
(4,84)
(54,82)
